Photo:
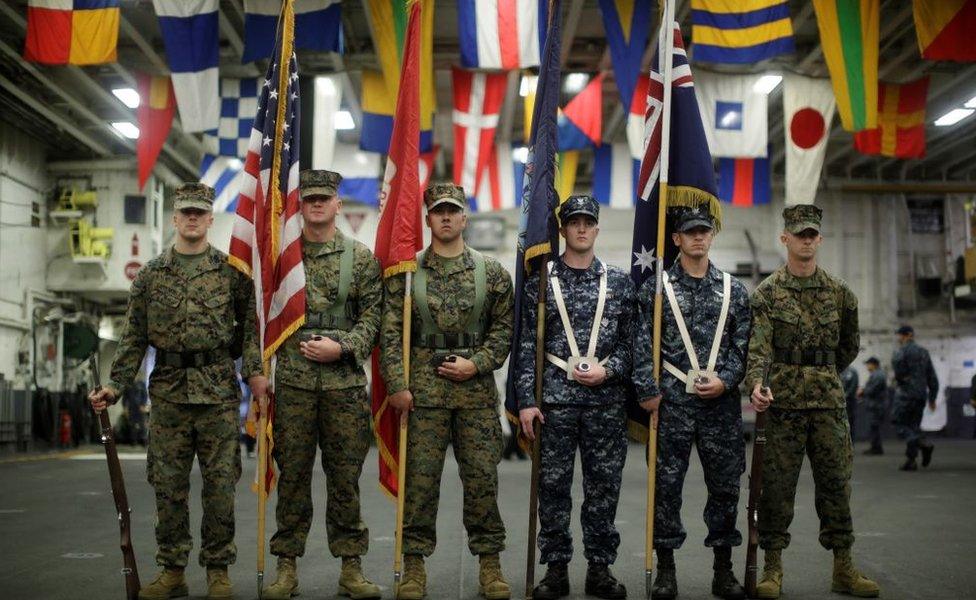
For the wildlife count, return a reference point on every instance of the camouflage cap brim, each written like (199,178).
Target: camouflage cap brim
(319,190)
(694,223)
(447,200)
(803,226)
(187,203)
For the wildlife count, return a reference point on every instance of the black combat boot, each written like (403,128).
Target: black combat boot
(927,455)
(554,585)
(666,582)
(601,583)
(910,465)
(724,584)
(873,451)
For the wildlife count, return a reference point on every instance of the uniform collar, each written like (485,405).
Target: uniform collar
(596,268)
(211,262)
(336,244)
(678,273)
(447,266)
(817,280)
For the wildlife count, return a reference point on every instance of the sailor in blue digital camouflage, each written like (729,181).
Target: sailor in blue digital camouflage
(874,394)
(320,393)
(196,311)
(591,303)
(462,315)
(704,343)
(804,333)
(916,385)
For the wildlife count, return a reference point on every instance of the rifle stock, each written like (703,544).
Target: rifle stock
(755,492)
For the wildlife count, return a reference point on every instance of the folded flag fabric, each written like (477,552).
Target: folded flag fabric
(635,119)
(238,106)
(734,115)
(155,116)
(478,98)
(581,122)
(744,181)
(191,37)
(222,173)
(318,26)
(901,122)
(501,34)
(615,175)
(808,109)
(740,31)
(497,188)
(945,29)
(627,24)
(849,37)
(76,32)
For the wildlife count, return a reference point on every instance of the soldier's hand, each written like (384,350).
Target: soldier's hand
(760,401)
(462,369)
(595,376)
(860,392)
(527,417)
(401,401)
(258,385)
(325,350)
(101,398)
(932,405)
(651,404)
(714,388)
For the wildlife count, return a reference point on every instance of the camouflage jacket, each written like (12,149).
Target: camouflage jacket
(700,302)
(321,288)
(451,297)
(210,308)
(876,387)
(803,313)
(614,339)
(914,374)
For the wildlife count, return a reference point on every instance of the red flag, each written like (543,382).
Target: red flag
(399,236)
(266,243)
(478,98)
(901,121)
(155,114)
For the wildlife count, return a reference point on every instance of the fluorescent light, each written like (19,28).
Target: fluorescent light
(325,86)
(343,121)
(766,84)
(235,163)
(521,154)
(527,85)
(128,96)
(575,82)
(954,116)
(971,103)
(128,130)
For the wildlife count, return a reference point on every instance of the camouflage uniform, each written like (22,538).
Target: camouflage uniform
(203,308)
(916,384)
(805,331)
(714,426)
(464,414)
(325,404)
(590,418)
(875,394)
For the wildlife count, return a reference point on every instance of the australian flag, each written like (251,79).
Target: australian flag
(538,235)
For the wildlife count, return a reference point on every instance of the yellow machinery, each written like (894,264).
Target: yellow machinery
(75,199)
(88,241)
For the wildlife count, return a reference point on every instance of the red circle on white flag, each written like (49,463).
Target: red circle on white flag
(807,128)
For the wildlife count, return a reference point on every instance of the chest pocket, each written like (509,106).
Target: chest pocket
(786,328)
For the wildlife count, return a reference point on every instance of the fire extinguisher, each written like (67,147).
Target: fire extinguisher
(65,437)
(135,244)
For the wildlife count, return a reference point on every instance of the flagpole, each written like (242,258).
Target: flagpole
(540,354)
(262,485)
(402,452)
(667,27)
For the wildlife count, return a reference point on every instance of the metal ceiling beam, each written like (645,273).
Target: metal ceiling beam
(569,29)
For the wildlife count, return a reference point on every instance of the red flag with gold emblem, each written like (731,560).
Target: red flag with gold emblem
(157,104)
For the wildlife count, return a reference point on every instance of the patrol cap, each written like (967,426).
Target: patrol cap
(801,217)
(193,195)
(318,182)
(872,361)
(444,193)
(580,204)
(691,218)
(905,330)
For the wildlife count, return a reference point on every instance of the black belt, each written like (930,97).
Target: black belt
(805,357)
(190,359)
(447,341)
(328,321)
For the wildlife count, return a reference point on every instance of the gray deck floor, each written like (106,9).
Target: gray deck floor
(916,532)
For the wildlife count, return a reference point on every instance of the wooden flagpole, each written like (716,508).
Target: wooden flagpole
(402,441)
(262,485)
(540,359)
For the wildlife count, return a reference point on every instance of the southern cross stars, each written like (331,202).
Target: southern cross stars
(644,259)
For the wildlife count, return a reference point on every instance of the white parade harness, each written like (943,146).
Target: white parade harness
(574,359)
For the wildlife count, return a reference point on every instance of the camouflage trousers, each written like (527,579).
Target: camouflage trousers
(177,433)
(600,433)
(476,435)
(715,428)
(906,416)
(338,422)
(824,436)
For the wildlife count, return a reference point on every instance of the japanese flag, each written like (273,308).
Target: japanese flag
(808,109)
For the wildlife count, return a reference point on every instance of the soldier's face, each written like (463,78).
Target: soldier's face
(192,223)
(802,246)
(904,338)
(580,233)
(446,222)
(320,210)
(694,243)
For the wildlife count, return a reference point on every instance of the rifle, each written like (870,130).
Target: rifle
(130,573)
(755,491)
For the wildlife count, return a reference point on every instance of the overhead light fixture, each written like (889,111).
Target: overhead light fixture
(527,85)
(971,103)
(954,116)
(521,154)
(766,84)
(128,130)
(325,86)
(127,96)
(343,121)
(235,164)
(575,82)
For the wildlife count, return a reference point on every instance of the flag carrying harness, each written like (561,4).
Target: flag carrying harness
(574,358)
(689,378)
(430,334)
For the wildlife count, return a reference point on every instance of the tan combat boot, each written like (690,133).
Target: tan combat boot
(493,584)
(413,586)
(771,583)
(170,583)
(847,580)
(218,584)
(286,581)
(353,583)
